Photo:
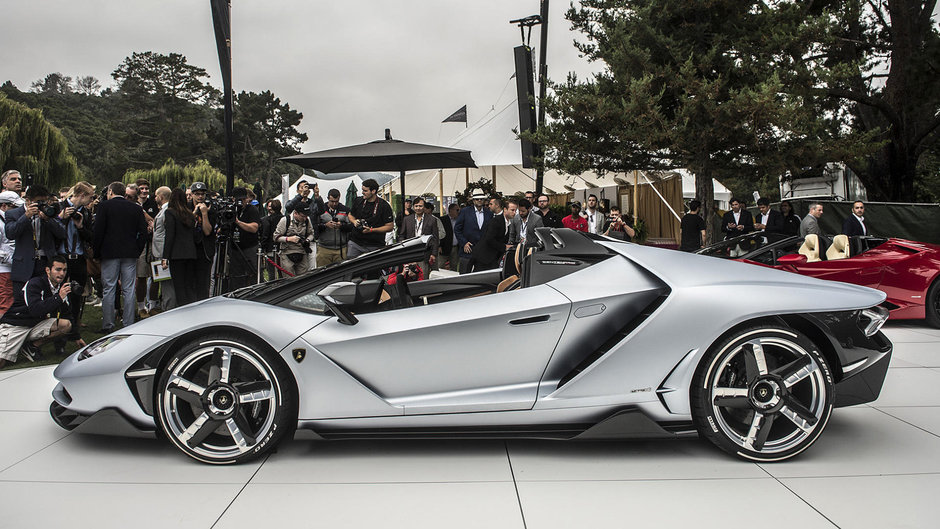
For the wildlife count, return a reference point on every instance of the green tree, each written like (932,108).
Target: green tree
(684,84)
(165,110)
(172,175)
(873,68)
(54,83)
(265,130)
(87,122)
(87,85)
(31,144)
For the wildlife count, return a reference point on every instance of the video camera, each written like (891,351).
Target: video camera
(228,209)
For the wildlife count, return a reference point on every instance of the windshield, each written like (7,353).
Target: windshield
(741,246)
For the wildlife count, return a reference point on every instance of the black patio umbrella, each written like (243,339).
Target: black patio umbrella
(383,155)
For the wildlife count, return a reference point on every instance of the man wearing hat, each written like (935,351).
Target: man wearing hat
(206,221)
(468,228)
(8,201)
(294,233)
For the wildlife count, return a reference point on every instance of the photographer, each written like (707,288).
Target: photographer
(301,200)
(39,314)
(78,231)
(35,234)
(334,228)
(268,225)
(242,260)
(372,218)
(207,219)
(295,234)
(617,227)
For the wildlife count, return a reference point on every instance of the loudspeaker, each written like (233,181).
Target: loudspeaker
(525,94)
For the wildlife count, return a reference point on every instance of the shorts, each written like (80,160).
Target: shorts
(12,337)
(143,264)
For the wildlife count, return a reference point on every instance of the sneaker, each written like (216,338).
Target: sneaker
(30,351)
(93,300)
(142,314)
(105,331)
(156,310)
(96,303)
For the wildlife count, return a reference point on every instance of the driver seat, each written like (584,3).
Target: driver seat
(810,248)
(840,248)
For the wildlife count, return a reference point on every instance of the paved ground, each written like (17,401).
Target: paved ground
(875,466)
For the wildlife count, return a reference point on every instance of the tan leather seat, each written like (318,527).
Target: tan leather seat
(840,248)
(505,284)
(810,248)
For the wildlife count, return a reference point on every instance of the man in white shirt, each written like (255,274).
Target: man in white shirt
(593,215)
(854,224)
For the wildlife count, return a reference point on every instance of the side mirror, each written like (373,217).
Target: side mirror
(343,296)
(341,293)
(338,297)
(793,259)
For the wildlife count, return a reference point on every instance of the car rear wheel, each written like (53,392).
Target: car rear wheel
(764,394)
(224,401)
(932,310)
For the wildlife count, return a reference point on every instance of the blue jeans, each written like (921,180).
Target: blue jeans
(124,269)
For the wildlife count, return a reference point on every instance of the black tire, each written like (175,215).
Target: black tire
(764,393)
(932,309)
(224,400)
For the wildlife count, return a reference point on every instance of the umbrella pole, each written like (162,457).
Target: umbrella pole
(401,186)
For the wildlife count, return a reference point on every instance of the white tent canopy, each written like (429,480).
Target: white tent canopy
(325,185)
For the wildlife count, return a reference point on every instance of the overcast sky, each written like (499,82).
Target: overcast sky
(353,67)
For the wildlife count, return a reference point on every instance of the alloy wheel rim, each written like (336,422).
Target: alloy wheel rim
(220,401)
(768,394)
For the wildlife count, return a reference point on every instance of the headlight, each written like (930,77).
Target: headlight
(99,346)
(873,319)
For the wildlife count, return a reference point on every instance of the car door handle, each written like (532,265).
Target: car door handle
(532,319)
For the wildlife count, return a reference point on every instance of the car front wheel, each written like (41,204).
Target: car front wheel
(224,401)
(764,394)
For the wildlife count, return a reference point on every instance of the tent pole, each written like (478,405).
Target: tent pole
(467,169)
(636,196)
(494,178)
(440,202)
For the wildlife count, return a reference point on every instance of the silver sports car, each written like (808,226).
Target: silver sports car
(585,338)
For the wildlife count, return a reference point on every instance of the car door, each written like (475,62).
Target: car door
(482,353)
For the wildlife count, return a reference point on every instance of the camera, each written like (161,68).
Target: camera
(305,244)
(76,216)
(76,286)
(361,225)
(50,210)
(228,209)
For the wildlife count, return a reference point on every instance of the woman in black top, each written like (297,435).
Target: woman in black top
(179,251)
(791,221)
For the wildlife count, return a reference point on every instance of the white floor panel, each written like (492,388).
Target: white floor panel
(926,417)
(304,461)
(105,506)
(30,390)
(910,387)
(905,333)
(925,354)
(100,459)
(625,460)
(864,441)
(875,502)
(34,432)
(401,505)
(700,504)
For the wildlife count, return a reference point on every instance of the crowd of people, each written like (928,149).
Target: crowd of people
(739,221)
(136,253)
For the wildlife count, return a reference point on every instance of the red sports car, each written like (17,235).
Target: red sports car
(907,271)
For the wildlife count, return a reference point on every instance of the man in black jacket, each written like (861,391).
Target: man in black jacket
(120,233)
(40,313)
(769,220)
(36,234)
(737,221)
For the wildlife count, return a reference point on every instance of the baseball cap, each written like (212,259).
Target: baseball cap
(9,197)
(198,186)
